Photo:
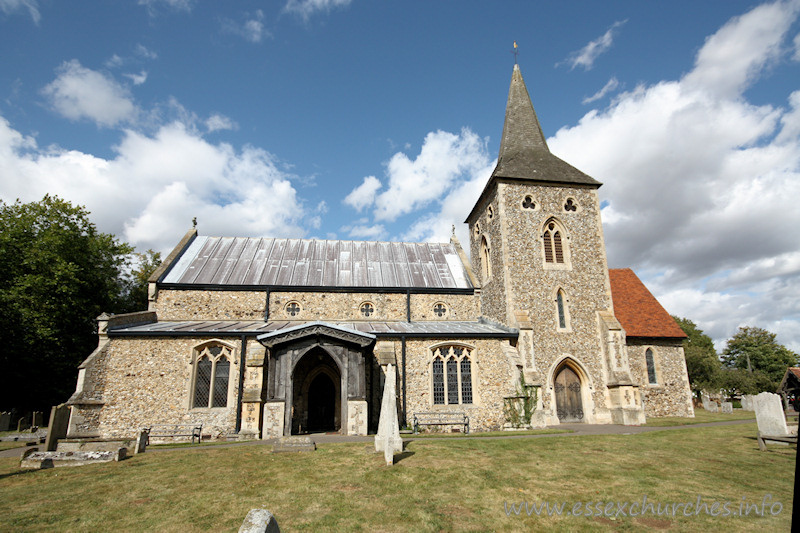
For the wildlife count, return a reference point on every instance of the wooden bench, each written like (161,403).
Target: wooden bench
(442,418)
(762,444)
(195,431)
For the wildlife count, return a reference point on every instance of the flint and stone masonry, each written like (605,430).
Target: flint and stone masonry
(263,338)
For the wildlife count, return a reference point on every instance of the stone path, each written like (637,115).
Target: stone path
(576,430)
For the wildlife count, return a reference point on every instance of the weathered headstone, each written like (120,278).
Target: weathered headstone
(294,444)
(388,438)
(57,427)
(259,521)
(769,414)
(5,421)
(37,420)
(708,404)
(747,402)
(727,408)
(142,440)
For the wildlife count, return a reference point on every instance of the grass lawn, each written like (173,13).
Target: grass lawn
(438,485)
(700,416)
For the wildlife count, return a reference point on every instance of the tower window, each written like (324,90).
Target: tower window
(528,203)
(486,263)
(554,245)
(570,205)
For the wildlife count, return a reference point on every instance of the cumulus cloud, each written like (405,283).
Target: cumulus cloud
(10,6)
(251,29)
(178,176)
(306,8)
(363,195)
(698,181)
(217,122)
(586,56)
(137,79)
(611,85)
(81,93)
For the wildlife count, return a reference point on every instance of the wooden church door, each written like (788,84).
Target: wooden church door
(569,406)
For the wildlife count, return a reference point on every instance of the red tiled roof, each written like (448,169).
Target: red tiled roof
(637,309)
(795,370)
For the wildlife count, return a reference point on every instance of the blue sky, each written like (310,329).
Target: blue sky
(353,119)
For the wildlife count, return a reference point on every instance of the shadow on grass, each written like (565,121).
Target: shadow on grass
(400,456)
(18,472)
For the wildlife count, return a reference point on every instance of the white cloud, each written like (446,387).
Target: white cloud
(217,122)
(700,182)
(79,92)
(144,52)
(176,5)
(10,6)
(610,85)
(365,231)
(252,29)
(137,79)
(586,56)
(306,8)
(363,195)
(177,175)
(445,158)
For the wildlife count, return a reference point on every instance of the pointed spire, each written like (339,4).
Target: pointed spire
(523,149)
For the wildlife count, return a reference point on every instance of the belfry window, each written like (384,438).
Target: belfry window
(212,375)
(554,245)
(486,263)
(451,375)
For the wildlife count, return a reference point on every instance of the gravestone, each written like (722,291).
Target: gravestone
(747,402)
(709,405)
(5,421)
(142,440)
(37,419)
(294,444)
(388,438)
(22,424)
(769,414)
(57,427)
(727,408)
(259,521)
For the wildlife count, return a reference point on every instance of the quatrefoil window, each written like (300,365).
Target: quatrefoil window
(528,203)
(570,205)
(293,308)
(367,309)
(440,310)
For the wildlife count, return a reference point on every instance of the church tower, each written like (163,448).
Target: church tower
(537,247)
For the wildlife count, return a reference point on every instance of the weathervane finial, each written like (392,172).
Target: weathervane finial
(515,51)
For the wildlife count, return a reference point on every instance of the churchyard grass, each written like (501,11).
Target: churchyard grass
(701,416)
(437,485)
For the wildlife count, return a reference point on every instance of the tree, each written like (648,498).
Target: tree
(135,298)
(57,273)
(702,363)
(755,349)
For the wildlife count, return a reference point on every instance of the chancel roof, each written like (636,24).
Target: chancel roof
(638,310)
(243,262)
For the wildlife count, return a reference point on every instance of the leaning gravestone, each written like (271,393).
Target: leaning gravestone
(727,408)
(769,414)
(57,427)
(259,521)
(388,438)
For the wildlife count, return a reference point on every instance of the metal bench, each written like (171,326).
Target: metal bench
(195,431)
(762,440)
(442,418)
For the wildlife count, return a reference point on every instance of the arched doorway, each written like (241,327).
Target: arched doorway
(316,404)
(569,405)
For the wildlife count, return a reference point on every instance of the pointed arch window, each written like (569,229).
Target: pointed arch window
(554,244)
(562,310)
(212,375)
(651,367)
(486,263)
(451,373)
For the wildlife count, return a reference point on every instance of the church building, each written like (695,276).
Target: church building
(266,337)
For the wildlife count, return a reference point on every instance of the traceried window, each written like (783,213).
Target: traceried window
(293,309)
(528,203)
(212,375)
(451,372)
(486,263)
(570,205)
(367,309)
(440,310)
(651,367)
(554,244)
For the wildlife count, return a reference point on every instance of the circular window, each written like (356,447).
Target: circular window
(367,309)
(570,205)
(440,310)
(528,203)
(293,309)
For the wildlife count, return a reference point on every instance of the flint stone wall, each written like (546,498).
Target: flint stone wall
(671,396)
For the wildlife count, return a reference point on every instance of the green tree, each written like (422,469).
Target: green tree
(135,298)
(702,363)
(57,273)
(755,349)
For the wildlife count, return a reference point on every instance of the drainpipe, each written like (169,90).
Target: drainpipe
(408,305)
(266,308)
(241,385)
(403,362)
